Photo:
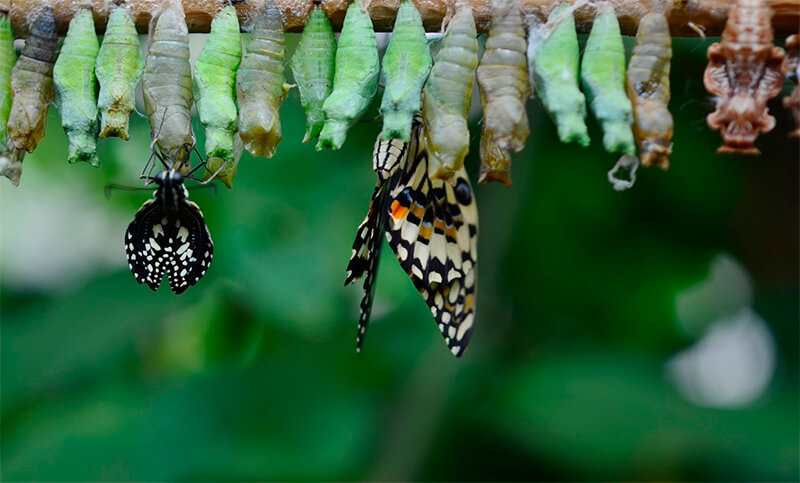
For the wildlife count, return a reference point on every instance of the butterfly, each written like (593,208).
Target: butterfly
(169,235)
(432,228)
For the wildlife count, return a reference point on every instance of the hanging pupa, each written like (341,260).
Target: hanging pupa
(355,81)
(744,72)
(120,65)
(313,65)
(260,85)
(603,78)
(556,71)
(447,95)
(406,65)
(10,156)
(648,90)
(32,82)
(76,86)
(167,83)
(214,91)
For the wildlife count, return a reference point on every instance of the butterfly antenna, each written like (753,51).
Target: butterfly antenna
(122,187)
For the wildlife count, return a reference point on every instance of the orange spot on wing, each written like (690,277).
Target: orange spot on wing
(398,211)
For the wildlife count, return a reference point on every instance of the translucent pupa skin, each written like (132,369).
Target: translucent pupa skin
(648,90)
(215,88)
(355,81)
(119,68)
(447,96)
(791,69)
(556,70)
(10,156)
(76,86)
(503,78)
(260,86)
(406,65)
(744,72)
(32,85)
(167,83)
(313,65)
(603,79)
(495,160)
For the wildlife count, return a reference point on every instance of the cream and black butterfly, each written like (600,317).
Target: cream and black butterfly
(431,226)
(168,234)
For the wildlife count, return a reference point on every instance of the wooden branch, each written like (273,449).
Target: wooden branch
(706,14)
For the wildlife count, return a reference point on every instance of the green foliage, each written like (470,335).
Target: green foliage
(119,67)
(603,78)
(313,65)
(406,65)
(8,56)
(448,93)
(167,82)
(355,81)
(556,71)
(215,88)
(260,86)
(76,86)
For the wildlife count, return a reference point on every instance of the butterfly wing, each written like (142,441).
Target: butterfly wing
(143,240)
(433,230)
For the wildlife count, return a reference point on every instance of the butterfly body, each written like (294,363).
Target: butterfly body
(169,235)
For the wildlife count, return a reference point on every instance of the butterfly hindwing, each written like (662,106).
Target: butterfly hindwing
(142,244)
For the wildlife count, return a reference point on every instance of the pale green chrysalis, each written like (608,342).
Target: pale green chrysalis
(406,65)
(76,87)
(10,156)
(603,79)
(355,82)
(167,83)
(448,94)
(120,65)
(32,82)
(313,65)
(260,86)
(214,91)
(503,80)
(556,71)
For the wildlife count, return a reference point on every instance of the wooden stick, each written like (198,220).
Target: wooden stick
(684,15)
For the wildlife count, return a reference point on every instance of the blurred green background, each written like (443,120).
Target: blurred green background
(650,334)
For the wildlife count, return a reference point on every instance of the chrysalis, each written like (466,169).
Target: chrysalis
(10,156)
(503,80)
(791,69)
(406,65)
(448,94)
(32,82)
(119,67)
(313,65)
(744,72)
(648,90)
(76,86)
(355,82)
(214,90)
(260,87)
(603,78)
(556,71)
(167,83)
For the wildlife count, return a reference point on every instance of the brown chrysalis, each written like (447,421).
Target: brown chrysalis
(744,72)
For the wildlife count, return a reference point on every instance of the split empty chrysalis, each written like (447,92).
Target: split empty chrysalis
(10,156)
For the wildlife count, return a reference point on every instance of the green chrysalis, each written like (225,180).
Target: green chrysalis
(355,82)
(119,67)
(313,65)
(260,87)
(603,78)
(32,82)
(76,86)
(447,95)
(556,71)
(406,65)
(167,83)
(10,156)
(214,90)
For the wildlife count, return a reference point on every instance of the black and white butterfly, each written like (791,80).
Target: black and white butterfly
(432,228)
(168,234)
